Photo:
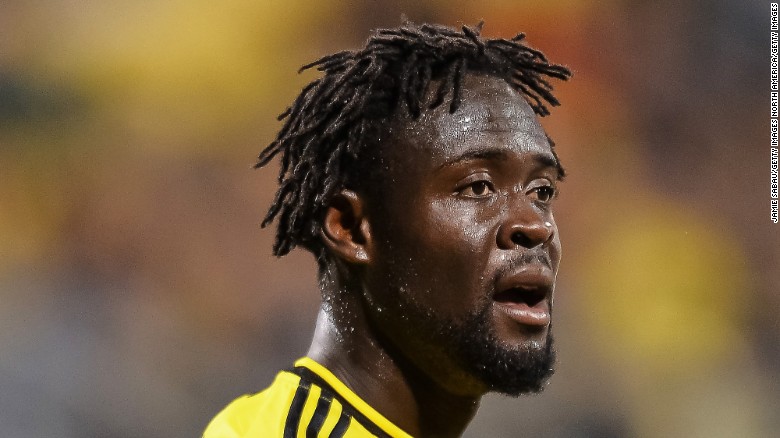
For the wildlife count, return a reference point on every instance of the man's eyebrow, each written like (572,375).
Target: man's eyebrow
(547,160)
(541,159)
(479,154)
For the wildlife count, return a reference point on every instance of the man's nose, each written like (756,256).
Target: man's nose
(525,227)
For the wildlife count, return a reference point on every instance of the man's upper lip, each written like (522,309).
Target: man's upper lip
(537,277)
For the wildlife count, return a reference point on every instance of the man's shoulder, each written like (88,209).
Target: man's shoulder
(307,400)
(260,414)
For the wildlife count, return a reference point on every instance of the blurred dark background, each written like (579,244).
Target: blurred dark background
(138,294)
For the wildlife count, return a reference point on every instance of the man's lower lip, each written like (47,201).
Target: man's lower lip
(538,315)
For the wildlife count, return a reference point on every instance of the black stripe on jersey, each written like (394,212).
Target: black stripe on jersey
(341,427)
(310,376)
(318,418)
(296,407)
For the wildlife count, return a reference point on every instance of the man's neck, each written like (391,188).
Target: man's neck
(392,386)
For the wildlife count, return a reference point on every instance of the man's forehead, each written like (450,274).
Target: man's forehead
(491,111)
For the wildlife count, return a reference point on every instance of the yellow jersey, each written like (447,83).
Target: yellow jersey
(307,401)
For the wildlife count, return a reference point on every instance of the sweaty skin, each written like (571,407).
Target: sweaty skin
(445,263)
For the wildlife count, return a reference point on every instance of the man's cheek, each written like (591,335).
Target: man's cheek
(461,221)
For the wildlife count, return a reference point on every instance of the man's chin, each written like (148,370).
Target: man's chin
(521,372)
(515,366)
(512,370)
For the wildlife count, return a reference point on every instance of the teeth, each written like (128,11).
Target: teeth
(528,295)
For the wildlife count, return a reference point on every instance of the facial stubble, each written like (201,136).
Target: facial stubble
(472,344)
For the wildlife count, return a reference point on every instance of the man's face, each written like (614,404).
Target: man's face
(464,245)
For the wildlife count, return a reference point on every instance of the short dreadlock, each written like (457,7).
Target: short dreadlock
(326,127)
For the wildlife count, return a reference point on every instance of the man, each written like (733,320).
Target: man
(417,173)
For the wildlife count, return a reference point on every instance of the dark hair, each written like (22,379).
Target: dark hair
(325,128)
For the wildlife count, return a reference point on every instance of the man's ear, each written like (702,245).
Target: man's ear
(345,229)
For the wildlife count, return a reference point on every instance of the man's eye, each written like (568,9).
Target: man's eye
(545,193)
(477,189)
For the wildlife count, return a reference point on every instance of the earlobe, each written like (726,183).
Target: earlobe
(345,229)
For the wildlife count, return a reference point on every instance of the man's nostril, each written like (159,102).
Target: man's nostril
(519,238)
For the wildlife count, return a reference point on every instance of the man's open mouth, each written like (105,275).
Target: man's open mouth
(525,295)
(530,296)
